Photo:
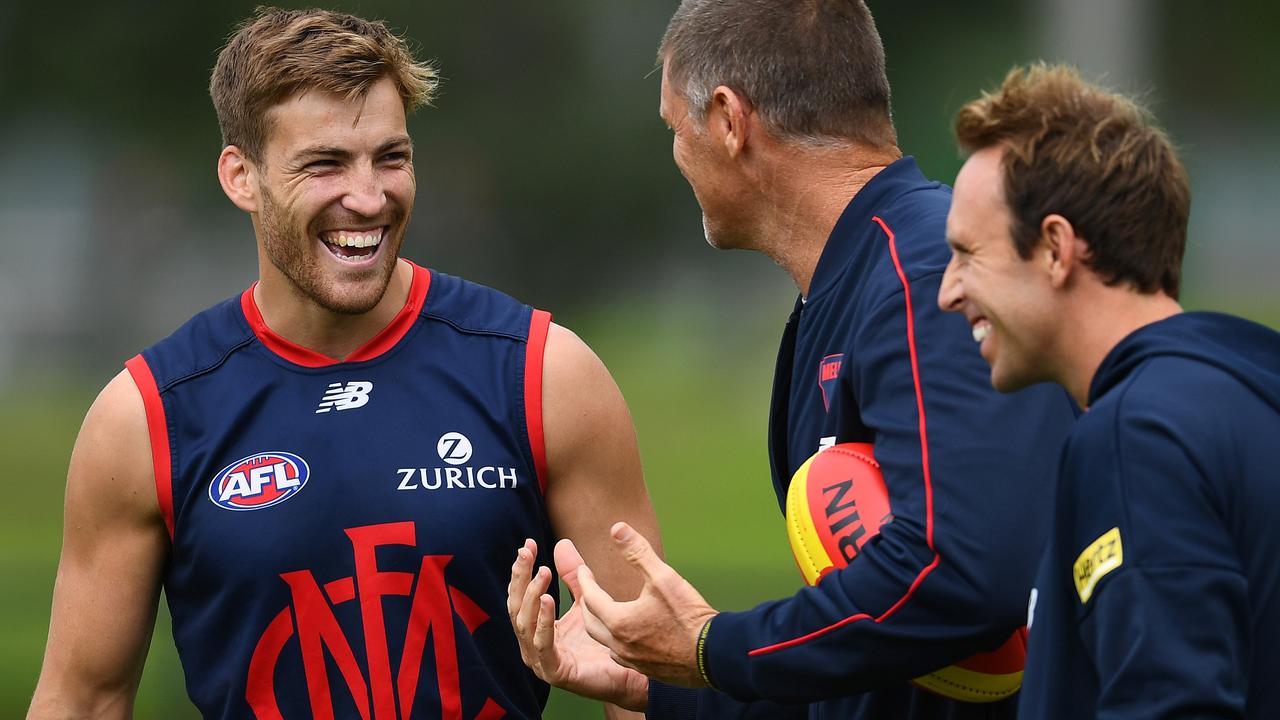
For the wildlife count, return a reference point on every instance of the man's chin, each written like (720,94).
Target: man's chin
(346,306)
(708,234)
(350,303)
(1010,382)
(719,238)
(355,296)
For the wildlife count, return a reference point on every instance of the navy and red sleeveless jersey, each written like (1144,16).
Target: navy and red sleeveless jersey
(868,356)
(342,532)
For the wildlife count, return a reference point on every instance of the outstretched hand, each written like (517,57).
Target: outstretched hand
(657,633)
(560,652)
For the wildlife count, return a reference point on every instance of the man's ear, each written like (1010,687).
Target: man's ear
(239,178)
(1064,252)
(729,119)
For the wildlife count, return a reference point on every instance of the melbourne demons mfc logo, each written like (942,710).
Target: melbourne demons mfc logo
(382,689)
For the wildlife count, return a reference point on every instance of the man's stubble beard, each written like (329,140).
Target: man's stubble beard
(280,233)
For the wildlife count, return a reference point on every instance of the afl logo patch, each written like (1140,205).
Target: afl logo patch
(259,481)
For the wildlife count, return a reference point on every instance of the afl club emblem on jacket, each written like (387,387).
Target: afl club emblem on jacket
(829,377)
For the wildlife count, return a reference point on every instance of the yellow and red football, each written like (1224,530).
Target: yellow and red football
(837,501)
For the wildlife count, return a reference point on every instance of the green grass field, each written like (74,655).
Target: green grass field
(699,411)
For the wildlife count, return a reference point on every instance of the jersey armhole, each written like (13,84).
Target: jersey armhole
(535,349)
(158,432)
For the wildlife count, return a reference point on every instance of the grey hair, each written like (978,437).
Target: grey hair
(813,69)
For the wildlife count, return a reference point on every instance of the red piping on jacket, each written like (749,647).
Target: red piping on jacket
(924,461)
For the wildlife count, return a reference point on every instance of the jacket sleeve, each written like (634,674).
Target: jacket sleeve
(1162,606)
(968,473)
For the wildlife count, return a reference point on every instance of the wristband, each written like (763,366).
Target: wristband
(702,653)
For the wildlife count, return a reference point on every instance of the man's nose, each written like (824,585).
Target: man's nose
(950,293)
(365,196)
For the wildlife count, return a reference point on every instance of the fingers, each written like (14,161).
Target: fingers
(568,560)
(525,588)
(599,608)
(521,571)
(544,635)
(530,604)
(637,550)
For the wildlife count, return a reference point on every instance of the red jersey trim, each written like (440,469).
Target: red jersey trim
(158,432)
(377,345)
(535,349)
(924,461)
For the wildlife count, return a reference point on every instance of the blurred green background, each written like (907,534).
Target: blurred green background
(544,171)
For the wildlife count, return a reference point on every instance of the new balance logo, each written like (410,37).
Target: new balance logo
(345,397)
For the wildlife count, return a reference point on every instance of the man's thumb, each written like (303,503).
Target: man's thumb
(636,549)
(568,561)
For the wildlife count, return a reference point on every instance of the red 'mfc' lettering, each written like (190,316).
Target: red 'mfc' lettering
(380,692)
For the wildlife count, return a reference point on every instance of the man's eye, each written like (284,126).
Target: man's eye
(396,157)
(322,164)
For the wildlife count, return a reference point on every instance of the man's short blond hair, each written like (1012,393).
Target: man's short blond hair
(276,53)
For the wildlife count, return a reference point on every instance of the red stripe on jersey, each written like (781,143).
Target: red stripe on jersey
(386,338)
(158,432)
(534,351)
(924,462)
(396,329)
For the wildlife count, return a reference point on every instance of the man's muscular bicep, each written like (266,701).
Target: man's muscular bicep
(592,459)
(113,548)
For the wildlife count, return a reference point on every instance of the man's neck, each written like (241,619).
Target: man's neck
(804,198)
(1101,324)
(298,319)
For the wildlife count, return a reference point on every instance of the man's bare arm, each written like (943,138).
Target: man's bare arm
(593,460)
(113,548)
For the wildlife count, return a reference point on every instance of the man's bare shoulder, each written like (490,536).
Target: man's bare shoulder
(580,397)
(566,351)
(111,464)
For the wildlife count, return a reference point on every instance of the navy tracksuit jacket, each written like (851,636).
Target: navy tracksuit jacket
(869,357)
(1159,595)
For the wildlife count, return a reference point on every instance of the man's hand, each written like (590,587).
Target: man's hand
(560,651)
(657,633)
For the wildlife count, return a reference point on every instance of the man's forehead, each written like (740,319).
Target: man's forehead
(972,197)
(980,182)
(315,117)
(981,166)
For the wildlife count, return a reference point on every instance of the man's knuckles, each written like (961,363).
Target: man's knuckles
(637,551)
(628,632)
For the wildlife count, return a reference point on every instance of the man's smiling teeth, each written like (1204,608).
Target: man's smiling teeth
(981,329)
(356,240)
